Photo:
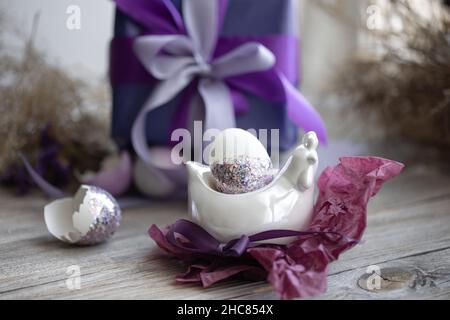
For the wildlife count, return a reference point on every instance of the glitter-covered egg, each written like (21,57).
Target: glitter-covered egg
(90,217)
(239,162)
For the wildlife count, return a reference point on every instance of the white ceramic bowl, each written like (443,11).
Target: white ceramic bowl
(286,203)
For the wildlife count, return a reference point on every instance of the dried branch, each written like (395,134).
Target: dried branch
(405,90)
(36,94)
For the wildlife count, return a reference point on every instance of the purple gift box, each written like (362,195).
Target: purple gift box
(251,53)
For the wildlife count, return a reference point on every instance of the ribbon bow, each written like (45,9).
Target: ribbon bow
(184,50)
(200,241)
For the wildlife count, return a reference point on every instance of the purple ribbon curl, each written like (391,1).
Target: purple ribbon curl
(201,242)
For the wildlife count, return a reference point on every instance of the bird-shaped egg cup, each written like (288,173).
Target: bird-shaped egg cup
(284,204)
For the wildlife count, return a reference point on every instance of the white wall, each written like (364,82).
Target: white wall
(325,42)
(84,50)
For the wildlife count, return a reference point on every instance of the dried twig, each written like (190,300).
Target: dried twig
(404,91)
(35,94)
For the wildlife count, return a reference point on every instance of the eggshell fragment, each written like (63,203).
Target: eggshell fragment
(90,217)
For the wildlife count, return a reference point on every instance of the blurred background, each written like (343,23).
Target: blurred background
(377,70)
(326,41)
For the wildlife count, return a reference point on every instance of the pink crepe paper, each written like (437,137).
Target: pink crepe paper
(299,270)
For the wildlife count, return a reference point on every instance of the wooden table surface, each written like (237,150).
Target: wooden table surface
(408,237)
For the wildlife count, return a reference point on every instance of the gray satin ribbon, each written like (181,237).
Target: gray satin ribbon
(176,60)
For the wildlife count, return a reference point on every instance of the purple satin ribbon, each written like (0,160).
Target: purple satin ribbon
(284,47)
(202,242)
(49,189)
(160,17)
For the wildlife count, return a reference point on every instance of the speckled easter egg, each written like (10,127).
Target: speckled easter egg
(239,162)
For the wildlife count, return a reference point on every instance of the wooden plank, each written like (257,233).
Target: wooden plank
(430,279)
(413,186)
(400,233)
(415,237)
(410,219)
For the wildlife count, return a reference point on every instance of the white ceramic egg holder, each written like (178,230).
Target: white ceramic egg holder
(284,204)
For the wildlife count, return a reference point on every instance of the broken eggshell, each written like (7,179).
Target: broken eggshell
(90,217)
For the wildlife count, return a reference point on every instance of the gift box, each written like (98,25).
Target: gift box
(261,96)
